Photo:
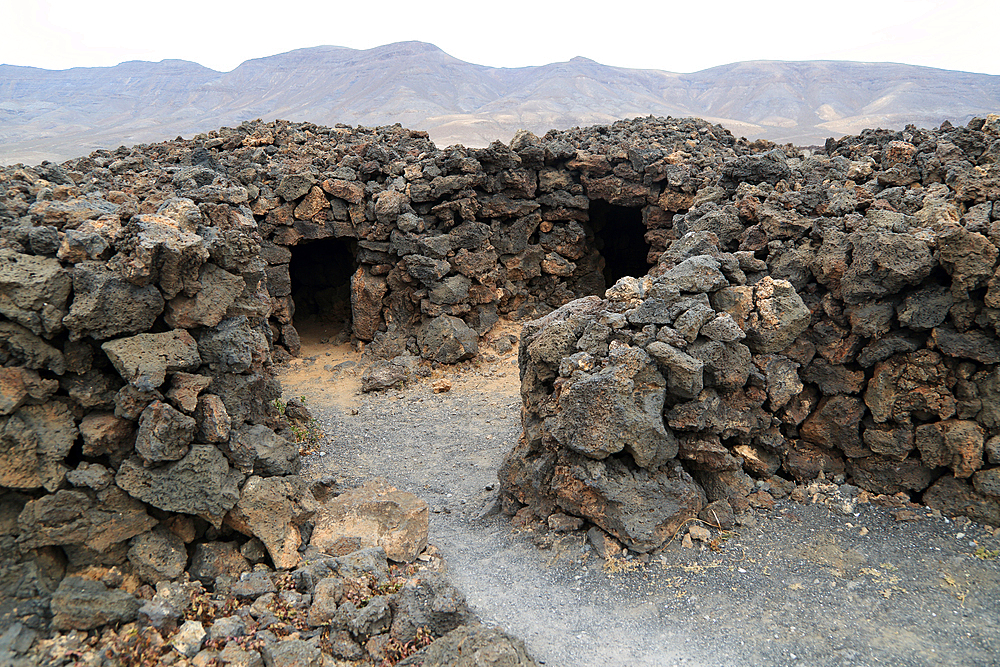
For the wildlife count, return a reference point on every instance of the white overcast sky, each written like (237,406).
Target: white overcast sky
(675,36)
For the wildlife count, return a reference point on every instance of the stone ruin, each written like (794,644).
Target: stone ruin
(813,316)
(717,317)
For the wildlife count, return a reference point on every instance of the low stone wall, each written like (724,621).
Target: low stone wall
(825,316)
(832,312)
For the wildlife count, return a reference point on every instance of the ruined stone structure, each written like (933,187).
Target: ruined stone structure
(833,312)
(831,315)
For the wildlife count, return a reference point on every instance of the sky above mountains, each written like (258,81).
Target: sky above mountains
(665,34)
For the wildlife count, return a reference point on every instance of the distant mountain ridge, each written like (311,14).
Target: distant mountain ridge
(57,115)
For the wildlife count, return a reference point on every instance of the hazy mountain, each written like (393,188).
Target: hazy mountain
(56,115)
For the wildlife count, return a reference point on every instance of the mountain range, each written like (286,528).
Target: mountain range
(59,114)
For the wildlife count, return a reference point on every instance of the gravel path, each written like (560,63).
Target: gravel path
(809,584)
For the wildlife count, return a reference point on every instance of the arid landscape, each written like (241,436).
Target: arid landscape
(58,115)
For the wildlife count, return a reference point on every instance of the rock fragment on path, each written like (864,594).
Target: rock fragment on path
(376,514)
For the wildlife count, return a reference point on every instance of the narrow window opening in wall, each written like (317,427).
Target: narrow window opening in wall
(620,238)
(320,273)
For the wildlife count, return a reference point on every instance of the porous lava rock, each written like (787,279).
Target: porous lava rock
(718,309)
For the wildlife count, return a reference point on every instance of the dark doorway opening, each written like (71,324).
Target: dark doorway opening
(320,273)
(619,235)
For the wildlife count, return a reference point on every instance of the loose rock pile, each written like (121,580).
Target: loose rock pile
(827,315)
(353,609)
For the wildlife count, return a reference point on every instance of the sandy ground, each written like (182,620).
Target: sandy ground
(824,583)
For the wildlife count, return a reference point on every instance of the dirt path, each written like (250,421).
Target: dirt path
(810,584)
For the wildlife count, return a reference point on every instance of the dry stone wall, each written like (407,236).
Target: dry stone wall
(145,294)
(834,311)
(831,314)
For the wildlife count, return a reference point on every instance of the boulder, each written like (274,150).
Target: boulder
(293,653)
(164,434)
(954,443)
(383,375)
(778,316)
(97,521)
(367,292)
(472,646)
(955,497)
(684,374)
(104,434)
(881,475)
(154,249)
(219,290)
(882,263)
(34,291)
(836,424)
(233,346)
(106,305)
(217,559)
(263,452)
(642,508)
(273,509)
(37,438)
(447,340)
(83,604)
(618,408)
(904,384)
(376,514)
(158,555)
(145,359)
(201,483)
(26,349)
(184,390)
(213,421)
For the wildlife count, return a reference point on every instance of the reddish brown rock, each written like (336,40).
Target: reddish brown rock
(18,385)
(312,204)
(916,382)
(836,424)
(350,191)
(805,461)
(185,388)
(105,434)
(955,497)
(892,440)
(375,514)
(955,443)
(213,421)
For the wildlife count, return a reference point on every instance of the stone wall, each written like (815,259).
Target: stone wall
(833,311)
(146,292)
(831,315)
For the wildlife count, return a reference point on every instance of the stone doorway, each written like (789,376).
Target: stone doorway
(320,273)
(619,235)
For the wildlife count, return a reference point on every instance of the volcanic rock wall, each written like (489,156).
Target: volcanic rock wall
(832,314)
(145,293)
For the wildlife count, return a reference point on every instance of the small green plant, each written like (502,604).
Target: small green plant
(308,435)
(395,651)
(205,609)
(137,648)
(363,589)
(982,553)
